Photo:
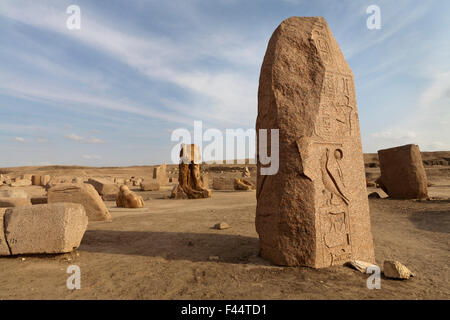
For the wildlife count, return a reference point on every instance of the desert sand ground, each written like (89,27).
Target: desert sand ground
(169,250)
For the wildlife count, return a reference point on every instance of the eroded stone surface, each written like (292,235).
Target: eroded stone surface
(104,187)
(402,173)
(14,202)
(160,174)
(314,211)
(4,248)
(81,193)
(189,181)
(21,183)
(127,199)
(223,183)
(396,270)
(45,228)
(150,185)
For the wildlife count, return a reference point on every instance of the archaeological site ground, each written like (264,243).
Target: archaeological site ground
(170,249)
(199,152)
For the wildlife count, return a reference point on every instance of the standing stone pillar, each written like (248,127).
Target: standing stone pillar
(314,211)
(189,185)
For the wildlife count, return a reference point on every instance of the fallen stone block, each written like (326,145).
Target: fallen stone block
(45,179)
(242,184)
(104,187)
(361,266)
(39,200)
(150,186)
(402,173)
(81,193)
(45,228)
(127,199)
(396,270)
(222,226)
(4,249)
(109,197)
(36,180)
(14,202)
(13,193)
(160,174)
(21,183)
(78,180)
(374,195)
(222,183)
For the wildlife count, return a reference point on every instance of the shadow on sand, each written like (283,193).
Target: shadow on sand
(194,247)
(436,221)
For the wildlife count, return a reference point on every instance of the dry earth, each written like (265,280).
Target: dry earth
(169,250)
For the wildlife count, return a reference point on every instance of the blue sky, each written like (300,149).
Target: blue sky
(112,92)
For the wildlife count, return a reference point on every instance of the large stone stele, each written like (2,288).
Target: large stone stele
(402,173)
(45,228)
(314,211)
(81,193)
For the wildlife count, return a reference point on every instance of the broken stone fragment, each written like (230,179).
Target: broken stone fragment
(361,266)
(396,270)
(104,187)
(11,197)
(4,249)
(403,175)
(21,183)
(39,200)
(81,193)
(127,199)
(222,226)
(36,180)
(160,174)
(45,228)
(45,179)
(243,184)
(150,185)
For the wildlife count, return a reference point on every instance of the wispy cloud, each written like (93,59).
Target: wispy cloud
(223,93)
(91,157)
(87,140)
(19,139)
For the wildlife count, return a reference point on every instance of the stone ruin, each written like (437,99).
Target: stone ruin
(45,228)
(402,173)
(189,181)
(314,212)
(84,194)
(127,199)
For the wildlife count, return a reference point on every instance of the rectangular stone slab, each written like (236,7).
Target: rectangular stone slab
(104,187)
(314,211)
(45,228)
(84,194)
(4,249)
(402,173)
